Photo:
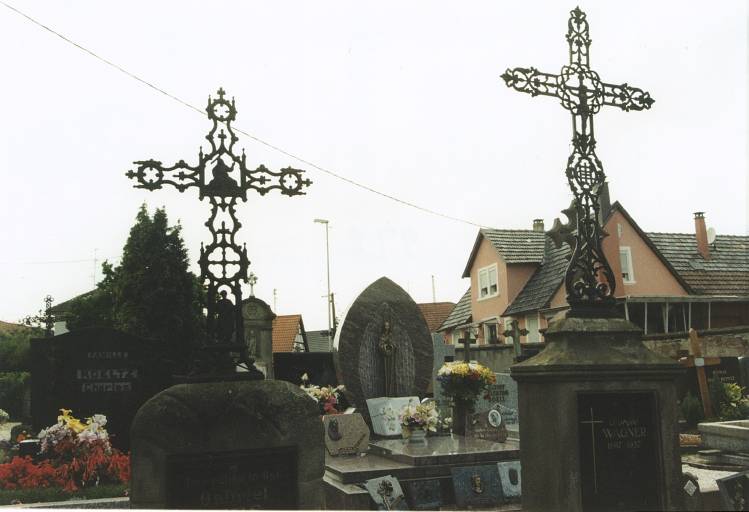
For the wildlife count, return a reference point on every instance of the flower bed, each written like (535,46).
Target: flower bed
(74,455)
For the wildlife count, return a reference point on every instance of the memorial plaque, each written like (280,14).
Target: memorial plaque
(345,434)
(509,477)
(734,491)
(502,396)
(477,486)
(386,492)
(487,425)
(619,447)
(259,479)
(423,494)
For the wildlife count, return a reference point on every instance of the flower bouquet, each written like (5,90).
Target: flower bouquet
(326,396)
(463,382)
(417,419)
(76,454)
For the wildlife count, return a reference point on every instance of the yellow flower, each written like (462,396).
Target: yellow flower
(72,423)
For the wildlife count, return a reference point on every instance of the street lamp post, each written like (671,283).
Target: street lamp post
(327,260)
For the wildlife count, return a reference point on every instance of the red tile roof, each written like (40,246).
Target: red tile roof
(285,330)
(435,313)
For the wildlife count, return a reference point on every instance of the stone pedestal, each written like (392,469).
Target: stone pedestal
(230,445)
(598,411)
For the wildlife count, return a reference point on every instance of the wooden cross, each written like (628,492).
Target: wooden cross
(696,360)
(515,333)
(466,342)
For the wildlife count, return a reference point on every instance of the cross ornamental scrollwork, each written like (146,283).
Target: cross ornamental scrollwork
(223,177)
(589,280)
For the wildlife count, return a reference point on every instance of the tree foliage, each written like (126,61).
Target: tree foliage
(151,293)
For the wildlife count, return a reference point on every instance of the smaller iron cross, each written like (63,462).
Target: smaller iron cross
(593,422)
(223,177)
(515,333)
(589,280)
(466,342)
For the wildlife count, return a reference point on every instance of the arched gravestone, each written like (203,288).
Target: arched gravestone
(383,319)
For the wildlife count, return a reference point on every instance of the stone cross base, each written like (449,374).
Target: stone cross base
(601,411)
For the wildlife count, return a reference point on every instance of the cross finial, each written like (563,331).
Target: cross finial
(252,280)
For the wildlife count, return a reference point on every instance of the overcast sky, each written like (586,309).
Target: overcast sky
(404,97)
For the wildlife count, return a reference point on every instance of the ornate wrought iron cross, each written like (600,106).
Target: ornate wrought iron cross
(223,262)
(589,281)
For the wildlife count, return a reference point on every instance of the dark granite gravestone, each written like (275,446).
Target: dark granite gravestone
(728,371)
(618,440)
(319,367)
(95,371)
(383,312)
(423,494)
(240,444)
(734,491)
(477,486)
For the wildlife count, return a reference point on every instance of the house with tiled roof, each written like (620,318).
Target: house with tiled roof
(319,341)
(435,313)
(665,282)
(289,334)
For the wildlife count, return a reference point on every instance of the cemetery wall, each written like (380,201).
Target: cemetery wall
(498,358)
(725,342)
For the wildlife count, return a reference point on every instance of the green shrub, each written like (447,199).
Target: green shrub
(13,388)
(691,410)
(728,400)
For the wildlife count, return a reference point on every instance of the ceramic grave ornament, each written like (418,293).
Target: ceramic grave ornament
(384,348)
(384,413)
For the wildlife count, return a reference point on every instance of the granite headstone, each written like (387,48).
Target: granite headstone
(257,318)
(345,434)
(384,412)
(477,486)
(384,347)
(386,492)
(237,445)
(95,371)
(487,425)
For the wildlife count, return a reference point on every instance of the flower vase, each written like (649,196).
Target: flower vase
(414,435)
(461,410)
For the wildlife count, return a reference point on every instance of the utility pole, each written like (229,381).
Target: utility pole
(275,309)
(327,261)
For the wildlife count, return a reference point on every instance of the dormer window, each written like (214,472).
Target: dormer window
(488,284)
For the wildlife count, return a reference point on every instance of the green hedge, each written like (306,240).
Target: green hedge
(46,494)
(13,387)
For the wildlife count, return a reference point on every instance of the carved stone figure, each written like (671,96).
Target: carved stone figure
(387,348)
(224,318)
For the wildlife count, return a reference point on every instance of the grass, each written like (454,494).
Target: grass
(46,494)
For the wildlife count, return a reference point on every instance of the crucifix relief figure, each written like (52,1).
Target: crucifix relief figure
(387,348)
(222,177)
(589,280)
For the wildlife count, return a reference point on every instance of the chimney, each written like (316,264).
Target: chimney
(538,225)
(701,234)
(604,201)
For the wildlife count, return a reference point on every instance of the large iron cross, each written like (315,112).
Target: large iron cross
(223,262)
(589,280)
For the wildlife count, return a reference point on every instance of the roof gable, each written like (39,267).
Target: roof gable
(513,245)
(285,330)
(461,313)
(435,313)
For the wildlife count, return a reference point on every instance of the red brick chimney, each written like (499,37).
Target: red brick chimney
(538,225)
(701,234)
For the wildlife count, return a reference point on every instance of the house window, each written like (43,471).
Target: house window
(531,324)
(488,286)
(625,258)
(490,333)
